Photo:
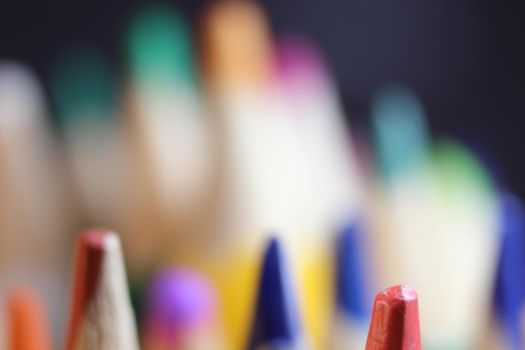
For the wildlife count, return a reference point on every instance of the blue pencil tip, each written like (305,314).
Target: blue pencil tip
(510,283)
(276,321)
(351,281)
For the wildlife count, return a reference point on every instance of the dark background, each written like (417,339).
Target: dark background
(465,59)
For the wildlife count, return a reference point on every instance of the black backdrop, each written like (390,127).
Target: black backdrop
(465,59)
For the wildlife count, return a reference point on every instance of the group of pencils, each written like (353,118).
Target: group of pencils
(251,213)
(182,308)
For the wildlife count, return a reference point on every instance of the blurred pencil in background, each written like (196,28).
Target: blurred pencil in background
(86,99)
(353,287)
(236,58)
(506,326)
(321,136)
(169,129)
(35,215)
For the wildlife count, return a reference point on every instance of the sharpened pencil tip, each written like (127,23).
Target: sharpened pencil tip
(276,315)
(395,320)
(100,279)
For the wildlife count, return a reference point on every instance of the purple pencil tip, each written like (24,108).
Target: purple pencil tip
(179,299)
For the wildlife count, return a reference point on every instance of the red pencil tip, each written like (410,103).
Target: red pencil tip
(93,239)
(89,255)
(395,320)
(101,311)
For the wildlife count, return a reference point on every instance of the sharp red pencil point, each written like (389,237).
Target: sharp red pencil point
(395,320)
(94,239)
(89,253)
(101,312)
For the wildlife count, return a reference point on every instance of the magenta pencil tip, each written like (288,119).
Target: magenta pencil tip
(299,60)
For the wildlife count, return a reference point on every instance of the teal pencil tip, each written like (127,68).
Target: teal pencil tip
(159,46)
(82,86)
(399,128)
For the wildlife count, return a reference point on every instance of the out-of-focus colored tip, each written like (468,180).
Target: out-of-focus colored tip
(181,303)
(159,46)
(400,131)
(101,315)
(510,283)
(462,174)
(395,320)
(352,285)
(276,322)
(235,42)
(21,98)
(299,62)
(28,324)
(83,85)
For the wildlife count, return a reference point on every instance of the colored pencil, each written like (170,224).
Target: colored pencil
(85,95)
(395,320)
(322,153)
(35,208)
(101,316)
(505,329)
(353,284)
(170,129)
(277,319)
(237,57)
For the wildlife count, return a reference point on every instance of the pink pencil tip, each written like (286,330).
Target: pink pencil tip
(298,60)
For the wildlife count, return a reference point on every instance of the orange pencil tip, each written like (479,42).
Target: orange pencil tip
(236,43)
(28,324)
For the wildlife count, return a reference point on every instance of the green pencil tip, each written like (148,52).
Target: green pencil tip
(399,129)
(82,86)
(461,173)
(159,46)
